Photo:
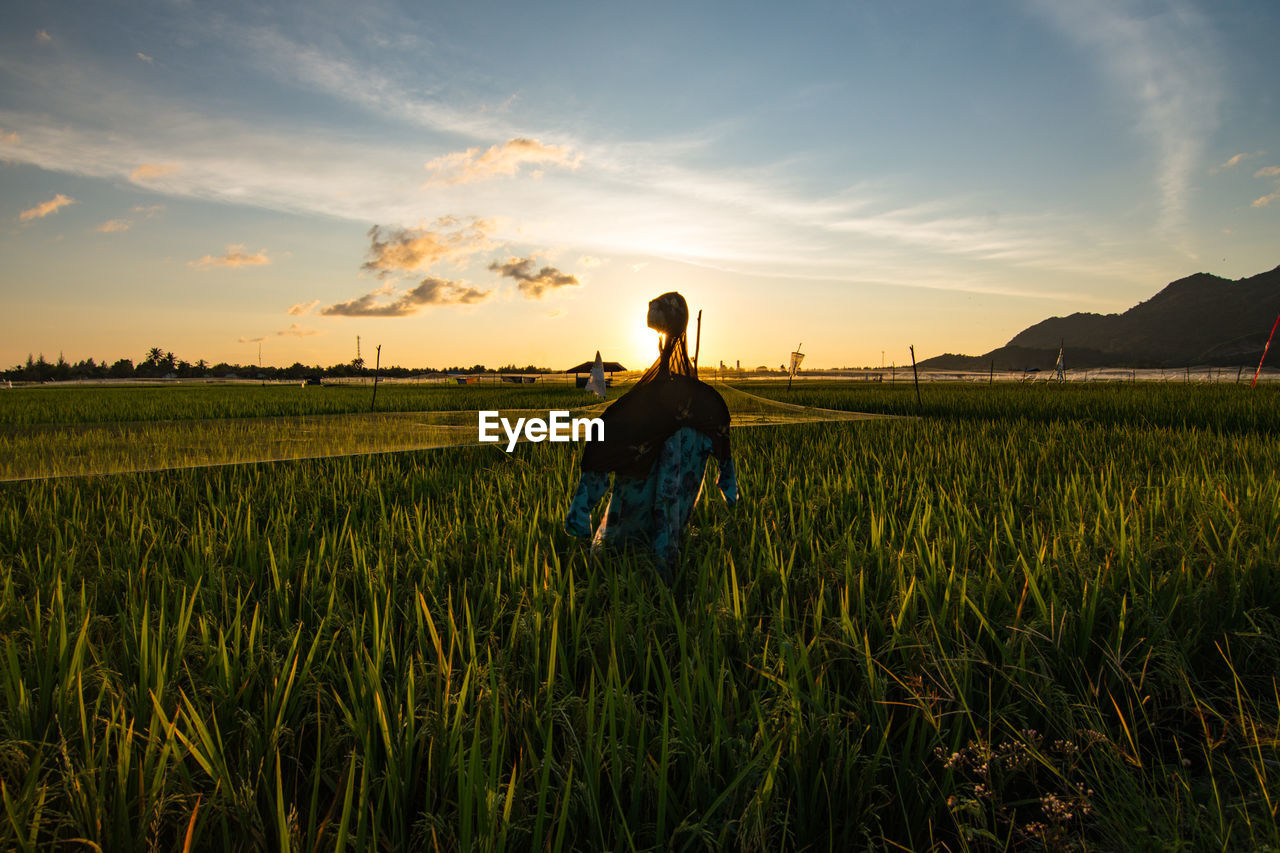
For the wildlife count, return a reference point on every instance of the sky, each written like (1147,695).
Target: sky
(511,183)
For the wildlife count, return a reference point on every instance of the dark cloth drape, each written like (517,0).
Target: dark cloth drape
(639,422)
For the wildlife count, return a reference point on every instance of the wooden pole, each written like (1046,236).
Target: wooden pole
(697,346)
(991,378)
(377,362)
(916,373)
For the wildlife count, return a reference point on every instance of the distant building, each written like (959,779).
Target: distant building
(585,367)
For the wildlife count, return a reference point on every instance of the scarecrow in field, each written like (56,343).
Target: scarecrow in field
(657,440)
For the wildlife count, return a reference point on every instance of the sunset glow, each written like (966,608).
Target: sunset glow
(510,184)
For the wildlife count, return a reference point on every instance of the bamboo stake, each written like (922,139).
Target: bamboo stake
(916,373)
(1264,351)
(697,346)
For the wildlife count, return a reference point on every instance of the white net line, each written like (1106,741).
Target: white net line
(52,451)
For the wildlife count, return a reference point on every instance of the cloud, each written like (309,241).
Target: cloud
(393,250)
(46,208)
(10,138)
(1267,199)
(1232,162)
(43,36)
(151,171)
(234,258)
(1163,60)
(534,284)
(1267,172)
(499,160)
(147,210)
(112,225)
(296,331)
(590,262)
(555,313)
(301,308)
(431,291)
(635,200)
(145,58)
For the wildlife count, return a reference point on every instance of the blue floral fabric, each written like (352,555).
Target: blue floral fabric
(651,511)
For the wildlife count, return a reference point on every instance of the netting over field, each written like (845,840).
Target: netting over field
(62,450)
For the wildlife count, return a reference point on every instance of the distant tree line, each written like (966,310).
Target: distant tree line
(160,364)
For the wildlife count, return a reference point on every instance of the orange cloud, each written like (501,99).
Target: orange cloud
(234,258)
(1232,162)
(303,307)
(10,138)
(1267,199)
(393,250)
(1267,172)
(499,160)
(151,171)
(45,208)
(431,291)
(533,284)
(43,36)
(112,225)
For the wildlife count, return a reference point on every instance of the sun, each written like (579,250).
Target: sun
(644,345)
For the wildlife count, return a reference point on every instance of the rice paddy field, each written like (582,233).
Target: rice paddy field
(1024,617)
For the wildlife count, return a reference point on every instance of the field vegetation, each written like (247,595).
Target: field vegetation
(1034,618)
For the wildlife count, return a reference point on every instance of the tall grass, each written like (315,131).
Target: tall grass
(964,634)
(108,404)
(1222,408)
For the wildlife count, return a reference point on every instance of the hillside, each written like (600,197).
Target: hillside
(1198,320)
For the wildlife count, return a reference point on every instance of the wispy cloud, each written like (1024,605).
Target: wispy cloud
(151,171)
(113,225)
(632,199)
(147,210)
(350,80)
(43,36)
(1232,162)
(393,250)
(234,257)
(499,161)
(10,138)
(296,331)
(430,291)
(1268,172)
(1163,59)
(534,284)
(300,308)
(590,262)
(145,58)
(45,208)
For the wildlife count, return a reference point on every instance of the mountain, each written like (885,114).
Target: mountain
(1198,320)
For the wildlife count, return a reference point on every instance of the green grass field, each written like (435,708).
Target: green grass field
(1034,618)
